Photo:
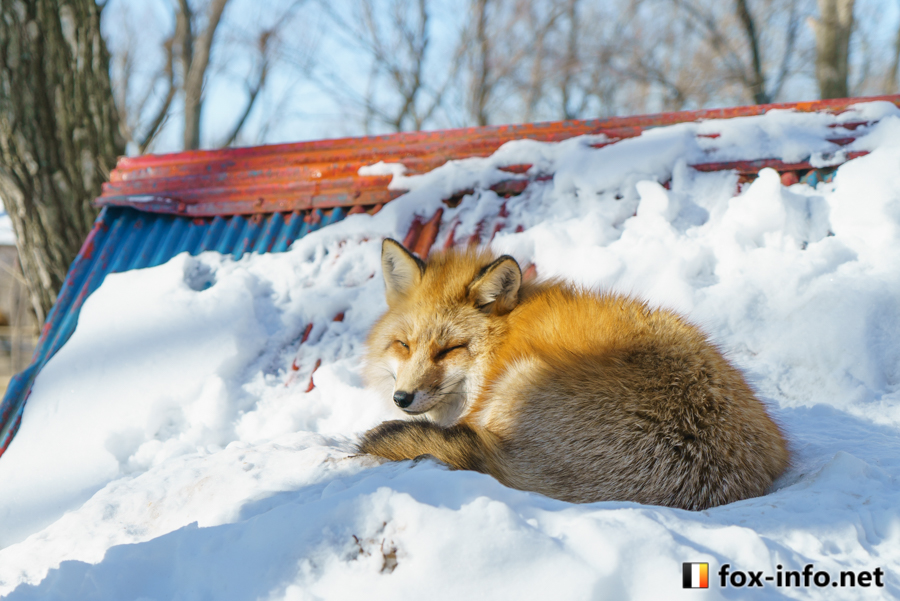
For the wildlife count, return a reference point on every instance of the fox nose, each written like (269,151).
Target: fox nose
(404,399)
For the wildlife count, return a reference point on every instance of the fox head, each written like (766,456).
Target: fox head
(429,352)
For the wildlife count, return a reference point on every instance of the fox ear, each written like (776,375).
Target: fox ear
(402,270)
(496,288)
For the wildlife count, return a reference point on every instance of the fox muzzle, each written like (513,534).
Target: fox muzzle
(404,399)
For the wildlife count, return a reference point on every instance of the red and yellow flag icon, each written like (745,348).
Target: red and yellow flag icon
(695,575)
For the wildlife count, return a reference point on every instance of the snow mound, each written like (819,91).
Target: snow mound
(171,450)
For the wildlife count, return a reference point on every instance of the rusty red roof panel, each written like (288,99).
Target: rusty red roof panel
(325,174)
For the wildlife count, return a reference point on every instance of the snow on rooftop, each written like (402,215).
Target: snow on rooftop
(169,450)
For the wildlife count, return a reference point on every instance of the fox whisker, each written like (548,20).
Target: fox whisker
(391,373)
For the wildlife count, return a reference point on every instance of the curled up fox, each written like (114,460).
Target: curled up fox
(579,395)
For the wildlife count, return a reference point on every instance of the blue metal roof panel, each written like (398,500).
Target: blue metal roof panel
(124,238)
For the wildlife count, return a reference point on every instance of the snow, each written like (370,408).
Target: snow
(170,451)
(142,198)
(382,168)
(7,235)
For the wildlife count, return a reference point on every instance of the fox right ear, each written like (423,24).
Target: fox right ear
(496,288)
(402,270)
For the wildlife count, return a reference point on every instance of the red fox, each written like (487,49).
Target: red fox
(579,395)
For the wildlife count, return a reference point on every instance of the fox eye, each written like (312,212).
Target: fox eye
(403,344)
(444,352)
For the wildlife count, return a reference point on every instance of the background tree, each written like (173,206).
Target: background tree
(349,67)
(187,56)
(194,61)
(833,29)
(59,134)
(394,40)
(169,54)
(891,84)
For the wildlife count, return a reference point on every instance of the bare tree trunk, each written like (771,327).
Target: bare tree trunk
(195,61)
(570,62)
(891,85)
(59,133)
(757,79)
(832,31)
(481,77)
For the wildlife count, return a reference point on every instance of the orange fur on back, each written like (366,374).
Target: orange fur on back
(579,395)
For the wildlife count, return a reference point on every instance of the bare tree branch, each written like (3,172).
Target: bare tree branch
(162,114)
(254,90)
(541,28)
(718,41)
(789,45)
(397,46)
(125,63)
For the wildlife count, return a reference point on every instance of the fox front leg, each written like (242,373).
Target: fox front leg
(457,446)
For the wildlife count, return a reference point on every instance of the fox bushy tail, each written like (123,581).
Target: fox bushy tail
(459,446)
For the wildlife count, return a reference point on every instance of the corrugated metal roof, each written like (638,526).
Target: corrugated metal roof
(325,174)
(262,199)
(124,238)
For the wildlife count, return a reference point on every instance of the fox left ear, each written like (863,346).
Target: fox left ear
(496,288)
(402,270)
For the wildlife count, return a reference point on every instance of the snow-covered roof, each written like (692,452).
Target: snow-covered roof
(185,394)
(262,199)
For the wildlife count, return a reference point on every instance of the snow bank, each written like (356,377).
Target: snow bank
(170,451)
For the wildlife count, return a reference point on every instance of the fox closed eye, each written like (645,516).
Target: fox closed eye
(403,344)
(444,352)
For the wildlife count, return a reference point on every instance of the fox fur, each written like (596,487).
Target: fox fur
(579,395)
